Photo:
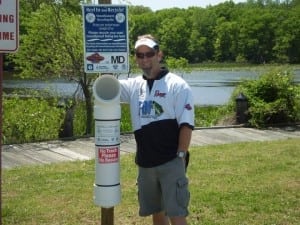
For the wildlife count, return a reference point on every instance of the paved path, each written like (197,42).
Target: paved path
(83,148)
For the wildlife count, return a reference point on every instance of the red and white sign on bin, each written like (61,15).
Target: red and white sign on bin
(108,154)
(9,25)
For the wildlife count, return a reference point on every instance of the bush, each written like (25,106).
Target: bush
(79,120)
(25,120)
(125,125)
(180,65)
(272,99)
(41,117)
(37,119)
(207,116)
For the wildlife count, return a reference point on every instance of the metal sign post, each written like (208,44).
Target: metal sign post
(9,42)
(1,80)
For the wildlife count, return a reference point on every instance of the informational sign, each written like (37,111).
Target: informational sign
(107,132)
(9,26)
(105,39)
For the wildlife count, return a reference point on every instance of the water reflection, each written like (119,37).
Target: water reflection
(209,87)
(211,95)
(216,87)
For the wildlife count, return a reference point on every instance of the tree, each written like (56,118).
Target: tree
(287,37)
(148,25)
(52,47)
(180,65)
(202,22)
(173,34)
(256,36)
(198,42)
(225,41)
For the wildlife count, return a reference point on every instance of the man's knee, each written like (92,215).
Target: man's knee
(160,219)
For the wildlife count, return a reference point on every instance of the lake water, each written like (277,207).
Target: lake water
(209,87)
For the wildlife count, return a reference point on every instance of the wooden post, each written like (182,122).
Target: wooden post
(107,214)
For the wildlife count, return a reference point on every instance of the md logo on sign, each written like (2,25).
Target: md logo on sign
(117,59)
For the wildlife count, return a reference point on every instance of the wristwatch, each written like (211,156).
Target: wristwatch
(181,154)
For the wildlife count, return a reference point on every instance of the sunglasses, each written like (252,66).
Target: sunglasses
(141,55)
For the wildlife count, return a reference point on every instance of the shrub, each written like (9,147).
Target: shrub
(79,120)
(273,98)
(36,119)
(25,120)
(207,116)
(180,65)
(125,125)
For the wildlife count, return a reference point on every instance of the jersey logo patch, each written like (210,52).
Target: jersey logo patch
(188,107)
(150,109)
(159,94)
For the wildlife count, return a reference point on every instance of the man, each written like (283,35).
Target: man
(162,113)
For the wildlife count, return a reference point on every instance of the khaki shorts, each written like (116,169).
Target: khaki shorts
(164,188)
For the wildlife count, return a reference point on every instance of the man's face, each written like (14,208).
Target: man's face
(147,59)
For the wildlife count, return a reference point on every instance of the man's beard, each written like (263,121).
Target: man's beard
(147,73)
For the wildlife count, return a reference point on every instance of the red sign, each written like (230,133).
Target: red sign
(9,25)
(108,154)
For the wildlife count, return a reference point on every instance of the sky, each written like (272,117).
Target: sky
(163,4)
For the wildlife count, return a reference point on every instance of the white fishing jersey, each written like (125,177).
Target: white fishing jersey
(157,114)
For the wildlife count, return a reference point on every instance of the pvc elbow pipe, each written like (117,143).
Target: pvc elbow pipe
(107,89)
(107,114)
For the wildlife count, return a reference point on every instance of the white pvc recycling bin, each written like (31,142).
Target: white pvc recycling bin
(107,114)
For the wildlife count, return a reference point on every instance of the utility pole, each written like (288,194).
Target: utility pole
(107,214)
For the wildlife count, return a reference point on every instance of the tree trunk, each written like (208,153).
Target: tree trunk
(84,82)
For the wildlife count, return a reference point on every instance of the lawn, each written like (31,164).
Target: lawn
(254,183)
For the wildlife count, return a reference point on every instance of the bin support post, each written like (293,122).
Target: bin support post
(107,216)
(107,114)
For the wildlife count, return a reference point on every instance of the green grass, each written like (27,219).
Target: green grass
(254,183)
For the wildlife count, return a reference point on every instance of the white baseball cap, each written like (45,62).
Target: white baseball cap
(146,42)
